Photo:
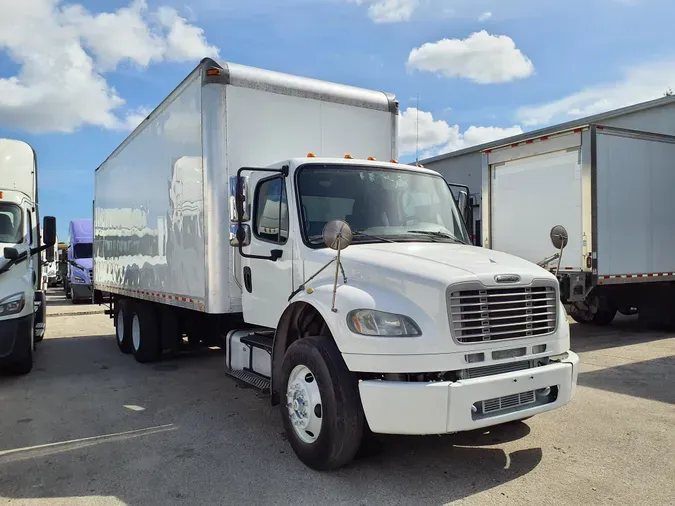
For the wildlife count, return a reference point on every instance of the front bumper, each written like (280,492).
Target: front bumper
(12,332)
(393,407)
(82,291)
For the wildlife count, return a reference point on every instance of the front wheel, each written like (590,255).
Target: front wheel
(321,411)
(601,317)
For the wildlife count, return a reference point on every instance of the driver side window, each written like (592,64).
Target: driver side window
(270,221)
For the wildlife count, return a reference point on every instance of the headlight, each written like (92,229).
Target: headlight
(369,322)
(12,304)
(78,279)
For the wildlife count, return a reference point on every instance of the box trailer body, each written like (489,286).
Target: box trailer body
(214,219)
(202,133)
(609,186)
(22,299)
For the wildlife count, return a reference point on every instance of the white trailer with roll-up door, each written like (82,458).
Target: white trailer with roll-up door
(608,181)
(611,188)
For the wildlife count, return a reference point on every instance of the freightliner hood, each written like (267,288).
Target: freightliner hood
(444,263)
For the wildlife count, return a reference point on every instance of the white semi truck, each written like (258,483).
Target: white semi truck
(22,299)
(336,279)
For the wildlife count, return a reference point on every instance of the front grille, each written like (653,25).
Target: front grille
(507,402)
(492,314)
(491,370)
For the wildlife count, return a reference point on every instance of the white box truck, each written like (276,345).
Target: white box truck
(219,217)
(22,299)
(610,188)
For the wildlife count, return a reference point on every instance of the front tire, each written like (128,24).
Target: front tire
(321,411)
(22,362)
(602,317)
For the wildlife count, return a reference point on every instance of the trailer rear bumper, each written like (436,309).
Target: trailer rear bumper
(393,407)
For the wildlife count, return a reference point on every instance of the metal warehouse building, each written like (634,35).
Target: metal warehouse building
(469,166)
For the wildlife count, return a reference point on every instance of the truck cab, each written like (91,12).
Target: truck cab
(78,283)
(407,307)
(22,301)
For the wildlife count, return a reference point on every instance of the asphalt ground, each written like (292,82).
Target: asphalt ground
(92,426)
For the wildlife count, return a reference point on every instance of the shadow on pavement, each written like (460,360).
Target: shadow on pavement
(650,379)
(623,331)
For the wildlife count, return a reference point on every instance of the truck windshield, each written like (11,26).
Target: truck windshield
(378,204)
(10,223)
(83,250)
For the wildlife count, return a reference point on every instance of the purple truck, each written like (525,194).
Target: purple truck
(78,282)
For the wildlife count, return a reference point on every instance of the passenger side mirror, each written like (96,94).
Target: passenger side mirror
(49,254)
(49,231)
(11,253)
(240,235)
(337,235)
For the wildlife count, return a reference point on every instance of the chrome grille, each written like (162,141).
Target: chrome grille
(492,314)
(491,370)
(508,402)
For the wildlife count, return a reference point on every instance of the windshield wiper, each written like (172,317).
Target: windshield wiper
(439,234)
(356,233)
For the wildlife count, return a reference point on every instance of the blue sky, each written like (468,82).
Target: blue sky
(75,77)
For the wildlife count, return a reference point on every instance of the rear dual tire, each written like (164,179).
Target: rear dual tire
(136,330)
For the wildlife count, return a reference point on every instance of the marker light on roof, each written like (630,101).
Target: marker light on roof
(349,157)
(393,160)
(311,155)
(371,158)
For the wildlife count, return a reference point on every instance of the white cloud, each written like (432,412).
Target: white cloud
(414,124)
(437,136)
(389,11)
(64,53)
(639,84)
(482,58)
(485,16)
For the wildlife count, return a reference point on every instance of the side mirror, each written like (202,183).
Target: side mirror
(463,204)
(559,237)
(49,230)
(337,235)
(50,253)
(11,253)
(239,199)
(240,235)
